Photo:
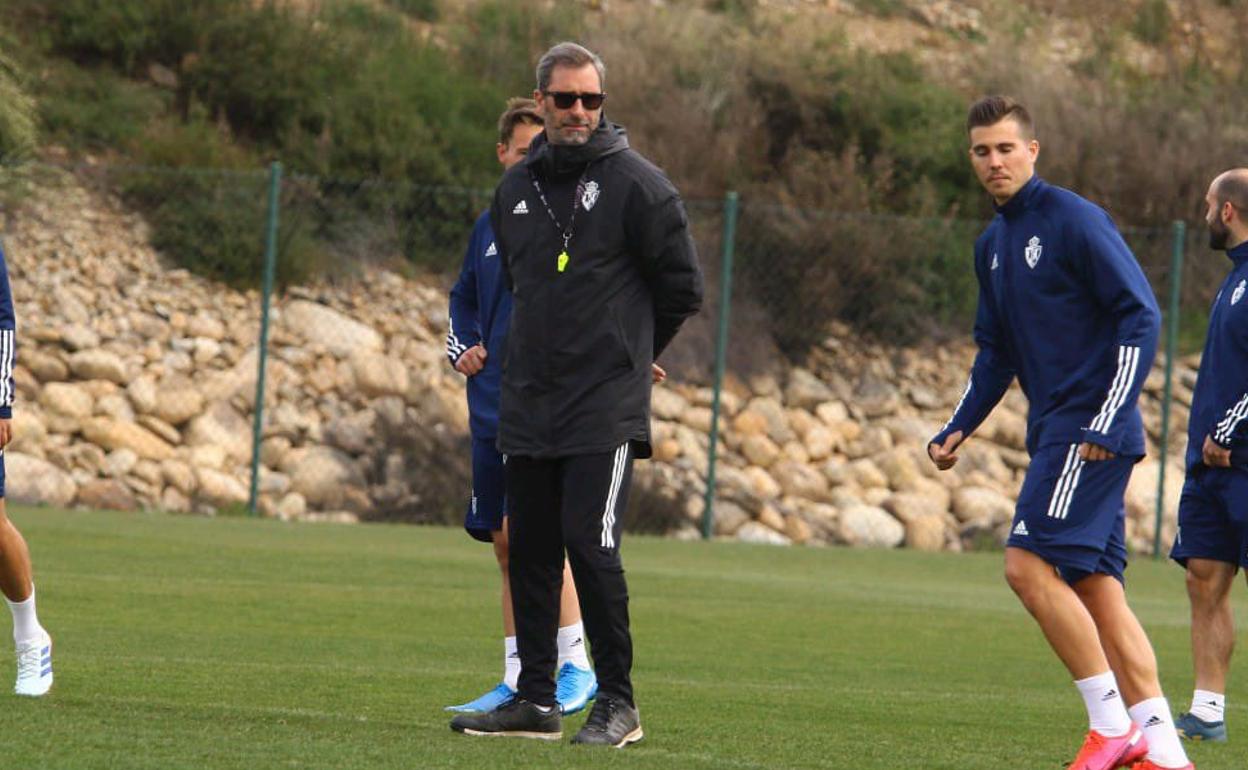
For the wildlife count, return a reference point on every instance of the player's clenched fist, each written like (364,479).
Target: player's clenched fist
(472,361)
(945,455)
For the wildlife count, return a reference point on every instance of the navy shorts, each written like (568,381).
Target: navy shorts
(1213,516)
(485,508)
(1,473)
(1071,514)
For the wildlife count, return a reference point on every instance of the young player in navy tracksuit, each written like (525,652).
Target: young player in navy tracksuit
(480,313)
(1064,307)
(34,646)
(1212,540)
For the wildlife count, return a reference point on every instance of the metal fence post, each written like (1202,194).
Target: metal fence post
(270,262)
(1172,334)
(721,352)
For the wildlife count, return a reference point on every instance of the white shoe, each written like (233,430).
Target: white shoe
(34,666)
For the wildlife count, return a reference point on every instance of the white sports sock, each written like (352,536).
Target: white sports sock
(1208,706)
(25,620)
(1107,714)
(572,646)
(511,662)
(1164,748)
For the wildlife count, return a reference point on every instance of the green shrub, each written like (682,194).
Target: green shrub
(425,10)
(17,110)
(95,109)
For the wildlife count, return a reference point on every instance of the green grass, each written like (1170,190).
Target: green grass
(231,643)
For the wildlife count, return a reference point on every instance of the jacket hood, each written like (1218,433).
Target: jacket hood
(551,160)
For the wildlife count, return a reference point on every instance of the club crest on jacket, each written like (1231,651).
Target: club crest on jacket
(589,195)
(1032,252)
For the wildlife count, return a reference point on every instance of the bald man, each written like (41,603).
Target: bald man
(1212,539)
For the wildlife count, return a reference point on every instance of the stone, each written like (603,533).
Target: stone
(899,468)
(867,474)
(667,404)
(116,406)
(273,482)
(219,489)
(273,450)
(108,495)
(760,450)
(173,501)
(30,430)
(32,481)
(832,412)
(112,434)
(205,350)
(78,337)
(666,450)
(749,423)
(761,483)
(874,440)
(161,428)
(98,364)
(317,324)
(697,418)
(771,518)
(120,462)
(221,425)
(179,475)
(778,428)
(908,506)
(45,367)
(869,526)
(176,404)
(759,534)
(876,397)
(68,399)
(1006,428)
(204,325)
(321,476)
(800,480)
(926,533)
(797,529)
(973,503)
(805,390)
(728,517)
(819,442)
(291,506)
(150,472)
(355,433)
(379,375)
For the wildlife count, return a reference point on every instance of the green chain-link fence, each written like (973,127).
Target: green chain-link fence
(359,412)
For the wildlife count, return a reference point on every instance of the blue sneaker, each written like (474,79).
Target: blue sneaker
(499,696)
(575,688)
(1193,728)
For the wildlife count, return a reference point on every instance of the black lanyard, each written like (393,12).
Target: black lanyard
(564,232)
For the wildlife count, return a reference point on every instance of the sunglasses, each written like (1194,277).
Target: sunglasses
(564,100)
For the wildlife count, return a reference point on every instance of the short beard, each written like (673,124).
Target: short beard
(557,136)
(1218,235)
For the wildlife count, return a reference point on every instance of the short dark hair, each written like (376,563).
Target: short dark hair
(1233,188)
(991,110)
(567,54)
(519,110)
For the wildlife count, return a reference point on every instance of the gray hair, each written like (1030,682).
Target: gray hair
(568,54)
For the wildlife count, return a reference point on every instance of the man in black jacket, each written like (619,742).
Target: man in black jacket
(596,249)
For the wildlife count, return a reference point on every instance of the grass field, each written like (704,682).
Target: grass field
(230,643)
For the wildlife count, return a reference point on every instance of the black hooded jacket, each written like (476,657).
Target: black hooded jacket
(576,372)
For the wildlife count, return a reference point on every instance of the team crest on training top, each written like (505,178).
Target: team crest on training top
(589,196)
(1032,252)
(1238,294)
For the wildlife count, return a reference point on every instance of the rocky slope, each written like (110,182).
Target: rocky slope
(136,388)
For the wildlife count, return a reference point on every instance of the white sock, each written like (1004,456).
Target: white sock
(1208,706)
(25,621)
(511,662)
(572,646)
(1107,714)
(1164,749)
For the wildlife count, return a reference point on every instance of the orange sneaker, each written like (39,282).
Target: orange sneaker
(1144,764)
(1100,752)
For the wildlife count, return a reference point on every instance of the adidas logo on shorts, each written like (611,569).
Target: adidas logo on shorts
(521,208)
(1020,529)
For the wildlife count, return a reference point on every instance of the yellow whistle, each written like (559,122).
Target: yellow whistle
(562,264)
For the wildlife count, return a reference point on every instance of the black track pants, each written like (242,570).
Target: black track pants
(573,504)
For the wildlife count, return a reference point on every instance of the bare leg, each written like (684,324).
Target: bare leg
(1065,621)
(15,579)
(1126,645)
(1213,625)
(569,605)
(501,553)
